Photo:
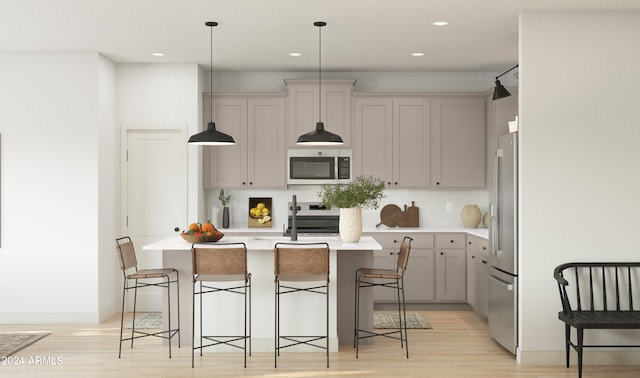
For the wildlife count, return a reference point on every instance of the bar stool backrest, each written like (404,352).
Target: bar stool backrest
(126,255)
(301,262)
(403,255)
(229,260)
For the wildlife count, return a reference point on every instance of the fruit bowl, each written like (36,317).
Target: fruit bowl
(202,238)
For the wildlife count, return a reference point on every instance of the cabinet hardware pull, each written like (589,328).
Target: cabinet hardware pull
(441,253)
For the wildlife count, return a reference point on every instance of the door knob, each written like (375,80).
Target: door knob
(176,229)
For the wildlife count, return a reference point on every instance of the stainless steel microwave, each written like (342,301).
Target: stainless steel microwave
(307,166)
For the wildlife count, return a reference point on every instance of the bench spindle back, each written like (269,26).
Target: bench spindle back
(598,286)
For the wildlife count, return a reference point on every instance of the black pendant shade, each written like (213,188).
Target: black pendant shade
(319,136)
(211,137)
(500,91)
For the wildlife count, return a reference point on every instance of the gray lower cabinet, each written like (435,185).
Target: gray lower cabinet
(483,278)
(419,287)
(451,267)
(437,266)
(477,270)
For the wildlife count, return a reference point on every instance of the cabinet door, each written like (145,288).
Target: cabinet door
(482,277)
(304,111)
(266,151)
(458,142)
(411,142)
(418,279)
(472,277)
(384,259)
(373,131)
(226,166)
(451,275)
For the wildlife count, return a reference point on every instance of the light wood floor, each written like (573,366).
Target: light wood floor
(458,346)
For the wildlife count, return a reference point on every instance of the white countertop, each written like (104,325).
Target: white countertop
(480,232)
(264,243)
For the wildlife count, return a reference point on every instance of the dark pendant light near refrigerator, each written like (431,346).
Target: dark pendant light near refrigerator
(211,137)
(319,136)
(500,91)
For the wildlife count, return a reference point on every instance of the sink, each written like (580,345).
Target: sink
(308,239)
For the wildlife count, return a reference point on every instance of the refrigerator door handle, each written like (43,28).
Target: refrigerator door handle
(494,207)
(505,284)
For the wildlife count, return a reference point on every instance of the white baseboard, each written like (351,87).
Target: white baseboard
(57,318)
(591,356)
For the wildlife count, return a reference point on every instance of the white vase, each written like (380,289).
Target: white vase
(471,216)
(350,224)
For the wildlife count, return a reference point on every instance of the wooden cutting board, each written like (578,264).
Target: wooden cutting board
(390,216)
(411,216)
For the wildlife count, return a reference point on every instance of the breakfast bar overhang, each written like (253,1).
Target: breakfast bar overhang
(303,315)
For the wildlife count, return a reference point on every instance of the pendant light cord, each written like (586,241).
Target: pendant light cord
(320,73)
(211,77)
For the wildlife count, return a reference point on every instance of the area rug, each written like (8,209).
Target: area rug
(383,320)
(151,320)
(10,343)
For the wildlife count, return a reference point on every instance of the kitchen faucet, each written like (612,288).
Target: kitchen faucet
(294,213)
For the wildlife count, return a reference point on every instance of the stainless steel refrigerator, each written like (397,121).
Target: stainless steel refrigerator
(503,247)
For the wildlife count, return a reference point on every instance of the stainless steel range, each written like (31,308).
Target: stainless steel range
(313,218)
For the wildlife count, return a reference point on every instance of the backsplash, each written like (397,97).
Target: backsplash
(431,202)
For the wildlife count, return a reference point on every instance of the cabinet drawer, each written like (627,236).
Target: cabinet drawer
(451,240)
(482,247)
(393,240)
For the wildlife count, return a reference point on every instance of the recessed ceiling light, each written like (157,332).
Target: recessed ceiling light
(440,23)
(295,54)
(157,54)
(417,54)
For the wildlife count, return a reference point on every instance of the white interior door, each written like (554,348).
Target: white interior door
(155,175)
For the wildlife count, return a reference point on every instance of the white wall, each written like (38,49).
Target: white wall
(431,204)
(107,269)
(49,259)
(365,81)
(579,83)
(165,94)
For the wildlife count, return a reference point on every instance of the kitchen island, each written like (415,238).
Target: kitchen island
(305,316)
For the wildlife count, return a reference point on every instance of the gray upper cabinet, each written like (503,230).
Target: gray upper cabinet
(392,138)
(458,143)
(258,158)
(306,108)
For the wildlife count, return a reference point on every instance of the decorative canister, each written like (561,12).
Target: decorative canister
(471,216)
(486,220)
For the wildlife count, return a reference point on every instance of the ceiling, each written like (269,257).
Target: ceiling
(258,35)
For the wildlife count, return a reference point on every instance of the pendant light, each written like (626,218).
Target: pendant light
(500,91)
(211,137)
(319,136)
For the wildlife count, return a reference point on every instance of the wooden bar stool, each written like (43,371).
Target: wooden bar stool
(389,278)
(301,267)
(145,278)
(221,268)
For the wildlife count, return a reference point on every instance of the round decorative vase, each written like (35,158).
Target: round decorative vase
(485,220)
(471,216)
(350,224)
